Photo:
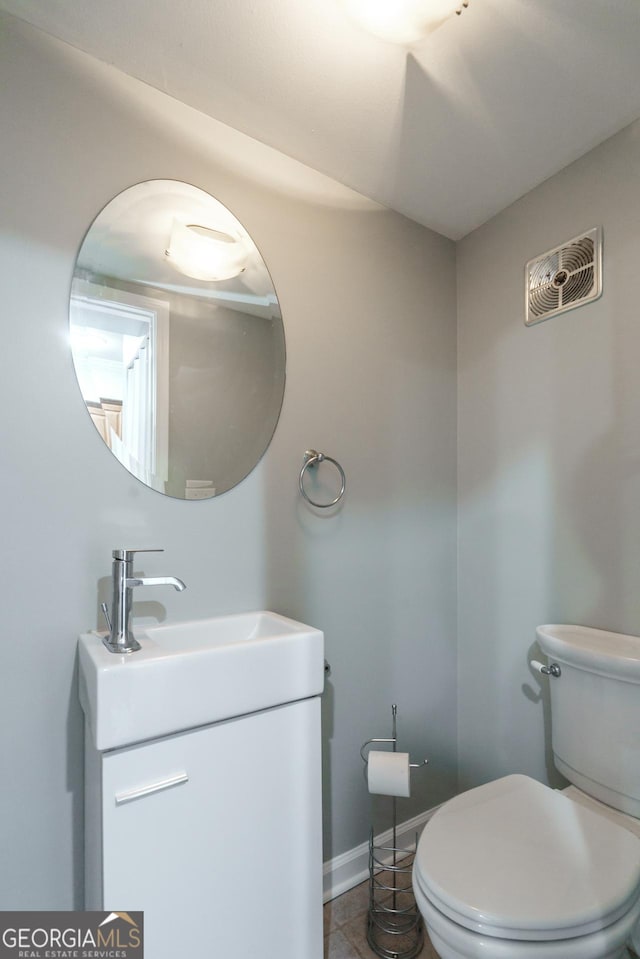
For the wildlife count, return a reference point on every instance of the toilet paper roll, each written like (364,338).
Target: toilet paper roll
(388,773)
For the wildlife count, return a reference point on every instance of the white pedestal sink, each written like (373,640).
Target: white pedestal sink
(203,792)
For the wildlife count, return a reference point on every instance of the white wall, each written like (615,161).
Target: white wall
(368,301)
(549,454)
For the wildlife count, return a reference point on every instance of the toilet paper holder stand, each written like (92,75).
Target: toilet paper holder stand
(393,741)
(394,924)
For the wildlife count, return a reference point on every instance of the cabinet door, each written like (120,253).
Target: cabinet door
(216,835)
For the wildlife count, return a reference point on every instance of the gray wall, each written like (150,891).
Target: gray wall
(549,454)
(226,377)
(368,300)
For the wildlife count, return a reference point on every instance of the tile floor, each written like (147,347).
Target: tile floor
(345,927)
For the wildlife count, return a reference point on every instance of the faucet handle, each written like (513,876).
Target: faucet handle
(128,554)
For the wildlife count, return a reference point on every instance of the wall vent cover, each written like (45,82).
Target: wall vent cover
(564,278)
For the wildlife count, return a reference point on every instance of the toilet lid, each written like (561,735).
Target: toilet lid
(515,859)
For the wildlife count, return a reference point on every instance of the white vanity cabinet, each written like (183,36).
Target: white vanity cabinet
(215,833)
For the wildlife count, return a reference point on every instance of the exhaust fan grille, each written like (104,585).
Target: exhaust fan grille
(564,278)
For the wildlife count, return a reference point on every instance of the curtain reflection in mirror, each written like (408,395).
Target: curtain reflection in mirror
(117,353)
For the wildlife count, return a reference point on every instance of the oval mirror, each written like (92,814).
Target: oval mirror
(177,339)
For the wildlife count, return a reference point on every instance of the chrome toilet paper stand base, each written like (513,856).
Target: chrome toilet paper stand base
(394,924)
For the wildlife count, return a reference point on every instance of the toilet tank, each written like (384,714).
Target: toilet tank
(595,711)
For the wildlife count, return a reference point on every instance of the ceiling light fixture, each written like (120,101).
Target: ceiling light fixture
(204,253)
(402,21)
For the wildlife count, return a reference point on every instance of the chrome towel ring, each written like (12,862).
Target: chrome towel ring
(311,460)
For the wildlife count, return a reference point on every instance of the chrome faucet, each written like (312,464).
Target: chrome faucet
(120,638)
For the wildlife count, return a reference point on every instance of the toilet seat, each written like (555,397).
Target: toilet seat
(516,860)
(452,941)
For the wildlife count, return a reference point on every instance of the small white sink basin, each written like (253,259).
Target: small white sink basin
(194,673)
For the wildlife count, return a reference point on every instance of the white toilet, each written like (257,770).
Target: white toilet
(516,870)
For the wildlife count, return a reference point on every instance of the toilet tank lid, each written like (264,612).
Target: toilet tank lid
(595,650)
(516,859)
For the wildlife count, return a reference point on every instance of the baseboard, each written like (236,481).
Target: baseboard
(352,867)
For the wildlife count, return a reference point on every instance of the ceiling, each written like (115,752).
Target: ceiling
(449,131)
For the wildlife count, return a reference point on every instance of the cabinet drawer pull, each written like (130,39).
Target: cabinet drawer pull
(151,788)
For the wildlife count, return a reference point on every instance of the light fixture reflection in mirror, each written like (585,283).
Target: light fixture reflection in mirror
(204,253)
(177,339)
